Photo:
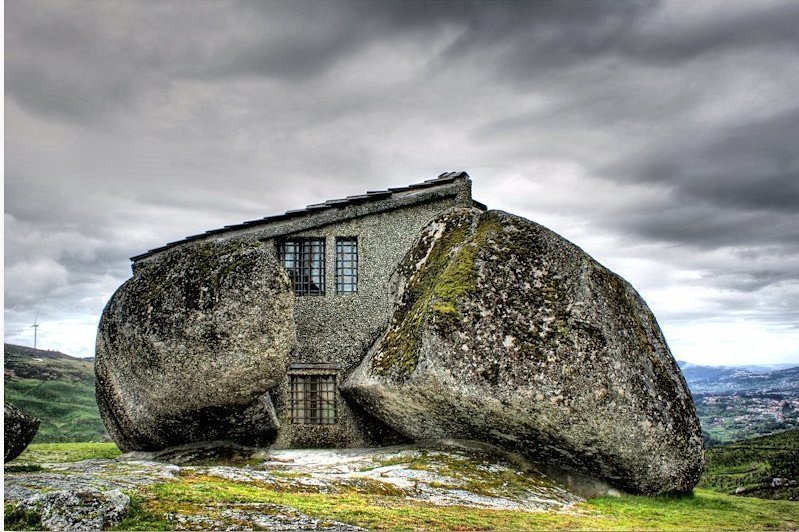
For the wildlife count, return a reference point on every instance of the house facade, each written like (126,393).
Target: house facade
(340,256)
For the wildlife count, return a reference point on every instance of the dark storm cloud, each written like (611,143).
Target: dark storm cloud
(668,132)
(751,165)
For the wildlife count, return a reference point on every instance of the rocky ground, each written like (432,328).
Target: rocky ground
(450,474)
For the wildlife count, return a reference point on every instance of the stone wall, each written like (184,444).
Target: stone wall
(340,328)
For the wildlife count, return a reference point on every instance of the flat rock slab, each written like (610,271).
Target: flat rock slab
(258,516)
(441,473)
(78,511)
(100,475)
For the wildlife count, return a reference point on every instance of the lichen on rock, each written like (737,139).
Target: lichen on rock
(84,510)
(507,333)
(190,346)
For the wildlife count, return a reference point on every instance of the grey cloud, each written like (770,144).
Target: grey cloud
(130,124)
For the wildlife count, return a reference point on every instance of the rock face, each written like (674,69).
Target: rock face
(84,510)
(505,332)
(18,431)
(188,348)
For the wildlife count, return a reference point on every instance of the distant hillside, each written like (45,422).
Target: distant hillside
(726,379)
(735,403)
(766,467)
(56,388)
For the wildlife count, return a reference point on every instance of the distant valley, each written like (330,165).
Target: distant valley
(734,403)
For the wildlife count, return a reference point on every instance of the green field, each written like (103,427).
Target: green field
(67,410)
(751,465)
(57,389)
(707,509)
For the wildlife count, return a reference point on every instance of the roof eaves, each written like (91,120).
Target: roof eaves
(372,195)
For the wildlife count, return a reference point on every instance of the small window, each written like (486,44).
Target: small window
(346,264)
(304,260)
(313,399)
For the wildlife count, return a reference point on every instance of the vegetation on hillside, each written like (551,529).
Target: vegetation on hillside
(57,389)
(765,467)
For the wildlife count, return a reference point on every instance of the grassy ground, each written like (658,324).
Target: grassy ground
(752,464)
(39,453)
(195,494)
(67,409)
(57,389)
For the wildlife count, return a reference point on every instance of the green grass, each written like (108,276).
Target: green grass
(752,464)
(67,409)
(702,511)
(39,453)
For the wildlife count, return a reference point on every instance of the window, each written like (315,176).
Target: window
(304,260)
(346,264)
(313,398)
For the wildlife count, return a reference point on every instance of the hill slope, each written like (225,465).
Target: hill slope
(766,467)
(56,388)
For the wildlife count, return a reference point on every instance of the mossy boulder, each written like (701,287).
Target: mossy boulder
(19,429)
(190,346)
(505,332)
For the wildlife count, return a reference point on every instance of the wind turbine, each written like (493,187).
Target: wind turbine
(35,329)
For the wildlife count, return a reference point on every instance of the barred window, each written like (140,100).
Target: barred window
(313,399)
(346,264)
(304,260)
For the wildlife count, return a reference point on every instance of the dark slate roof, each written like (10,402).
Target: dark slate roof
(374,195)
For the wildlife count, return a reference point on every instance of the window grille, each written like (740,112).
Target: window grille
(346,264)
(313,399)
(304,260)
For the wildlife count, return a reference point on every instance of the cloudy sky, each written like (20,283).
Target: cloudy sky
(663,138)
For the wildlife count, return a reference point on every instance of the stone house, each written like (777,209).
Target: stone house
(341,256)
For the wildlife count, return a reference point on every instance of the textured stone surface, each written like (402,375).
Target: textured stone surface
(96,475)
(81,510)
(196,452)
(188,348)
(444,473)
(18,430)
(505,332)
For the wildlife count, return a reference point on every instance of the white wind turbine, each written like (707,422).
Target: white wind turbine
(35,329)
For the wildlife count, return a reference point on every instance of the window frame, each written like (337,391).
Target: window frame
(304,271)
(312,397)
(347,260)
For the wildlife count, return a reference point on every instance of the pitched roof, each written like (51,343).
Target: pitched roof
(370,196)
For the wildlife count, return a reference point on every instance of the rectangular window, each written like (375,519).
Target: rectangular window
(304,260)
(346,264)
(313,399)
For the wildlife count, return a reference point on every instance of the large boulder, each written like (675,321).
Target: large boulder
(18,430)
(505,332)
(190,346)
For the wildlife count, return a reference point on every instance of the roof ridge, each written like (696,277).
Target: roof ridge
(372,195)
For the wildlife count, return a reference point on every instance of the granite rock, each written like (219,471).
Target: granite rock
(83,510)
(18,430)
(505,332)
(190,346)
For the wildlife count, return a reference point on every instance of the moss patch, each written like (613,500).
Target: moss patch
(447,273)
(15,519)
